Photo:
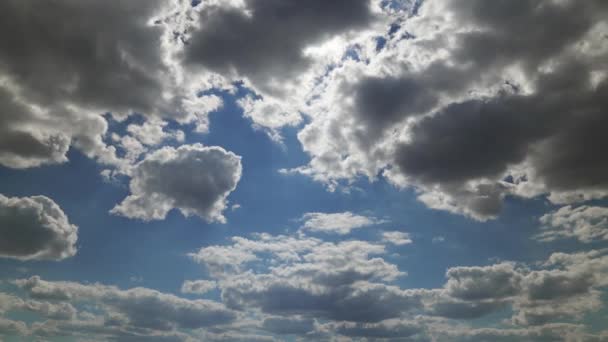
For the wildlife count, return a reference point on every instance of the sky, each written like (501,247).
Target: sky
(303,170)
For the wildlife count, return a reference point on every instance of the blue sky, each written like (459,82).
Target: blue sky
(251,170)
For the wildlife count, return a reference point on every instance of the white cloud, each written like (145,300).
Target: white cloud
(396,238)
(35,228)
(194,179)
(337,223)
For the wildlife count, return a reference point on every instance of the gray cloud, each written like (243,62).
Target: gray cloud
(341,281)
(58,79)
(35,228)
(585,223)
(192,178)
(139,307)
(477,283)
(393,330)
(264,40)
(464,103)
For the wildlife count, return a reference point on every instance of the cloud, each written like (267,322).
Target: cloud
(389,329)
(192,178)
(337,223)
(309,277)
(198,286)
(350,281)
(396,238)
(288,326)
(469,127)
(137,307)
(35,228)
(475,283)
(584,223)
(56,87)
(549,332)
(263,41)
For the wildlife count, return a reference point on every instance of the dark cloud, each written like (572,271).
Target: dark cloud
(474,93)
(265,41)
(58,79)
(35,228)
(102,56)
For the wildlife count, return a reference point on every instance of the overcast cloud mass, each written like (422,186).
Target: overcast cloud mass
(303,170)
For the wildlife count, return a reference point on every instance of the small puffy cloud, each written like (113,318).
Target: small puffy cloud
(35,228)
(337,223)
(198,286)
(194,179)
(584,223)
(396,238)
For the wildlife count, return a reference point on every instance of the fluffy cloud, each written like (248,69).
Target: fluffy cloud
(347,287)
(584,223)
(263,41)
(35,228)
(436,109)
(55,85)
(337,223)
(192,178)
(57,82)
(312,278)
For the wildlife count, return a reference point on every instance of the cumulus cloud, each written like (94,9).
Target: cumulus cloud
(55,85)
(315,290)
(35,228)
(438,110)
(337,223)
(310,277)
(584,223)
(194,179)
(58,82)
(263,41)
(348,286)
(138,307)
